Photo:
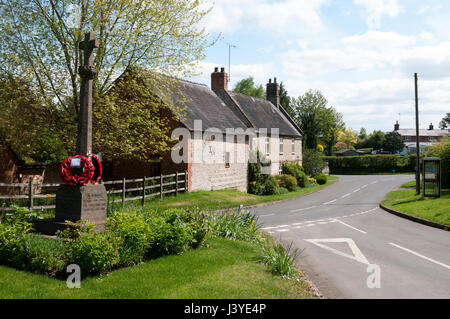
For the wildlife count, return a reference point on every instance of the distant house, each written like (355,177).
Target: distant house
(427,137)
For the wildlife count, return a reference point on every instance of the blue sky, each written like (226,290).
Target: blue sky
(362,54)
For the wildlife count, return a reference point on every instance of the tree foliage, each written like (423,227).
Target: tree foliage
(285,100)
(348,136)
(317,121)
(393,142)
(248,87)
(40,46)
(445,123)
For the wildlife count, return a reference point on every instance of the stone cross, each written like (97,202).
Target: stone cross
(87,72)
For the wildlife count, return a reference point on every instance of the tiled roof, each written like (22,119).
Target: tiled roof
(422,132)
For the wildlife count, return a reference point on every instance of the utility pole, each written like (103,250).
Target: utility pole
(417,137)
(229,60)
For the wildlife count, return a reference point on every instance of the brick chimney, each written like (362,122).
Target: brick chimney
(431,127)
(396,126)
(273,92)
(219,80)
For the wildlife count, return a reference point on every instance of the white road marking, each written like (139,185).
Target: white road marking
(282,230)
(266,215)
(374,182)
(299,210)
(357,190)
(331,201)
(364,186)
(346,195)
(341,222)
(357,254)
(421,256)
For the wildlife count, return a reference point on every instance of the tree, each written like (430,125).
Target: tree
(317,121)
(393,142)
(362,134)
(248,87)
(445,123)
(39,44)
(348,136)
(376,139)
(285,101)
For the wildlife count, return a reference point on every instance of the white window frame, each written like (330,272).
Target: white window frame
(281,145)
(293,146)
(267,146)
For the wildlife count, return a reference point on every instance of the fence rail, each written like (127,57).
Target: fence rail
(146,187)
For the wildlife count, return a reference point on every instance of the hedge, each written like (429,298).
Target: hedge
(371,164)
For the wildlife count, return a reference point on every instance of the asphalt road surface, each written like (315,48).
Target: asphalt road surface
(353,249)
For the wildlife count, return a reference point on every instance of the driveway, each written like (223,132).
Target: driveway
(353,249)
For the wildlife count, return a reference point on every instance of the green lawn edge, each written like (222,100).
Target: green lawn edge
(224,269)
(406,201)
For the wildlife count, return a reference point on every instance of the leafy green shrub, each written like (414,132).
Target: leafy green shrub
(135,237)
(240,226)
(168,238)
(12,243)
(313,162)
(321,178)
(287,181)
(282,190)
(270,186)
(278,259)
(94,252)
(371,164)
(442,150)
(258,164)
(302,179)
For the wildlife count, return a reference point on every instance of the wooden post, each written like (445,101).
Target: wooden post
(143,191)
(123,193)
(30,195)
(186,181)
(176,183)
(161,185)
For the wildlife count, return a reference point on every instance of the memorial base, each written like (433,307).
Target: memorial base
(74,203)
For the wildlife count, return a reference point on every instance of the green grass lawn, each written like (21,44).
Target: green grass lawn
(406,201)
(225,269)
(221,199)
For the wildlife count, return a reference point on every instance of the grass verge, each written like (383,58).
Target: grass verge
(225,269)
(406,201)
(221,199)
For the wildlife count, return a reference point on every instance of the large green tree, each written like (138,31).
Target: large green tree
(248,87)
(285,100)
(40,40)
(318,121)
(393,142)
(445,123)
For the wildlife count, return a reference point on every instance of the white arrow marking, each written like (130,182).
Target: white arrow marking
(357,254)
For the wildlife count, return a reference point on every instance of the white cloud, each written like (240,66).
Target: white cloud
(299,16)
(375,9)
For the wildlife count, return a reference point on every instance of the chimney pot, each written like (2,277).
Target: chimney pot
(431,127)
(396,126)
(273,92)
(274,80)
(219,80)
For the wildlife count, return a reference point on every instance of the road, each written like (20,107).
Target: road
(353,249)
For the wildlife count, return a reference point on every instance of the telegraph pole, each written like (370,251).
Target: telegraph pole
(229,60)
(417,137)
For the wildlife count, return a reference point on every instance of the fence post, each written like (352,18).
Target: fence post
(161,185)
(123,193)
(176,183)
(186,181)
(143,191)
(30,195)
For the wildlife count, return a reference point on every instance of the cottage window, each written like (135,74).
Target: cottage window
(281,145)
(267,145)
(293,146)
(227,159)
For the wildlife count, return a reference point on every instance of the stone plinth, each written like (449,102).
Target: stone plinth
(87,202)
(73,203)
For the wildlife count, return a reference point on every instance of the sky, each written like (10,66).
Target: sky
(361,54)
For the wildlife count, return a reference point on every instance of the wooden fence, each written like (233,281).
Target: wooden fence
(146,187)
